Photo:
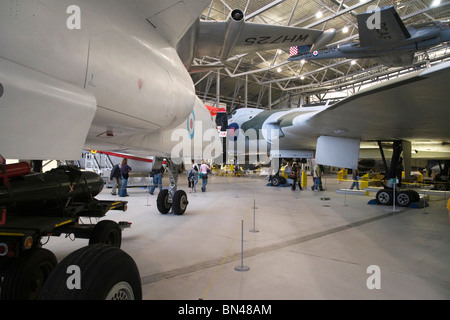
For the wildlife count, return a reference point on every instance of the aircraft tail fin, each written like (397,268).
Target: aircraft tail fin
(382,26)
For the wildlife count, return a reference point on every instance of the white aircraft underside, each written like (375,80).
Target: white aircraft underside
(115,83)
(119,82)
(112,74)
(413,108)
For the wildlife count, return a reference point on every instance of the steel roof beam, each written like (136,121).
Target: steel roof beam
(263,9)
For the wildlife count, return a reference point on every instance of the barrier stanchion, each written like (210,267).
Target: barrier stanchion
(147,192)
(242,267)
(254,217)
(424,203)
(235,187)
(394,199)
(345,198)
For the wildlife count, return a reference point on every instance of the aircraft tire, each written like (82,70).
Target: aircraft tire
(105,273)
(107,232)
(384,197)
(180,202)
(276,181)
(27,275)
(414,195)
(404,198)
(162,202)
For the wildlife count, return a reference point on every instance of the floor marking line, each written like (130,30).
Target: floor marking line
(255,251)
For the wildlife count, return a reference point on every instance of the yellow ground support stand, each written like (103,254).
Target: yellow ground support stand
(304,179)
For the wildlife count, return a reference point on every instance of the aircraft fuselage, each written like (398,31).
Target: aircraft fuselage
(262,131)
(110,51)
(116,54)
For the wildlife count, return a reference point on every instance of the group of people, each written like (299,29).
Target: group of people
(294,172)
(197,171)
(120,174)
(119,177)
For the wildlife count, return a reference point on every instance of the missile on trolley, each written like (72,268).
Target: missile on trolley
(49,193)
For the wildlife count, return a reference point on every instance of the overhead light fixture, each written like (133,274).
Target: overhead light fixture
(302,78)
(319,14)
(345,29)
(435,3)
(302,61)
(279,69)
(353,62)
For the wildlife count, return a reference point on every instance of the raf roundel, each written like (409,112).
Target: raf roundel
(233,131)
(191,125)
(315,53)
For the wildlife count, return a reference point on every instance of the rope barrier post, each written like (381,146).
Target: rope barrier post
(242,267)
(254,217)
(424,203)
(394,199)
(235,187)
(147,196)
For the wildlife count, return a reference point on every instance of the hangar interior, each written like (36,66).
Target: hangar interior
(268,80)
(244,239)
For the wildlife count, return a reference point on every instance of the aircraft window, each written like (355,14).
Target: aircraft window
(234,112)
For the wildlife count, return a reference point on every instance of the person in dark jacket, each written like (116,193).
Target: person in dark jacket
(124,171)
(157,179)
(115,178)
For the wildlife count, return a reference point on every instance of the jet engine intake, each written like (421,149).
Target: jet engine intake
(234,25)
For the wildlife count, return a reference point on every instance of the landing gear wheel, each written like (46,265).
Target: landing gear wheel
(162,202)
(404,199)
(414,195)
(384,197)
(27,275)
(106,272)
(277,180)
(180,202)
(107,232)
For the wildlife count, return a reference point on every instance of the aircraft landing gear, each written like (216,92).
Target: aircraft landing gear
(171,197)
(105,273)
(384,197)
(277,180)
(180,202)
(403,198)
(26,275)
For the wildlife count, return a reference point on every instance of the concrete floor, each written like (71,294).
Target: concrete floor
(305,247)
